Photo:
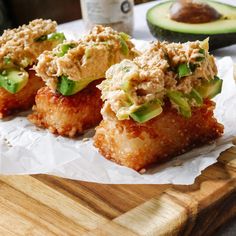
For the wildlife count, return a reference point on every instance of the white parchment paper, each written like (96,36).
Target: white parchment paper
(25,149)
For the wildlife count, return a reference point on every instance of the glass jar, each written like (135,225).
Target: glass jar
(117,14)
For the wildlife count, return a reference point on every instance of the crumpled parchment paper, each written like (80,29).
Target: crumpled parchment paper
(25,149)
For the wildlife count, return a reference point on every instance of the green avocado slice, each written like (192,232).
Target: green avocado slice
(194,94)
(126,87)
(183,70)
(210,89)
(13,80)
(221,32)
(147,111)
(201,51)
(59,37)
(41,38)
(69,87)
(124,47)
(64,48)
(181,101)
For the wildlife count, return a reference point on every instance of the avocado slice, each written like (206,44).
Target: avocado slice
(124,47)
(41,38)
(210,89)
(201,51)
(221,32)
(181,101)
(194,94)
(59,37)
(69,87)
(127,88)
(183,70)
(64,48)
(13,80)
(147,111)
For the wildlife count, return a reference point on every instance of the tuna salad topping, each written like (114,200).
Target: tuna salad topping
(20,48)
(72,65)
(184,74)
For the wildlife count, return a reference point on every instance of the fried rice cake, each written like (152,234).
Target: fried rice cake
(20,48)
(21,101)
(71,103)
(67,115)
(136,145)
(159,105)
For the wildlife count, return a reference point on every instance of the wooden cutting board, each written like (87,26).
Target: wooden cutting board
(47,205)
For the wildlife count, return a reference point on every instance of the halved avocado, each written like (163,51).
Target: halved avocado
(222,32)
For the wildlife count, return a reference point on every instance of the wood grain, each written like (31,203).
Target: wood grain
(49,205)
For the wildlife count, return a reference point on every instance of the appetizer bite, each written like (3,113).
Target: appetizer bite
(71,103)
(19,51)
(159,105)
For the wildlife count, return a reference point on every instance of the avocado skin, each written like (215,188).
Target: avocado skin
(215,40)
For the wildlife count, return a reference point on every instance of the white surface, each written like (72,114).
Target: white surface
(141,30)
(24,149)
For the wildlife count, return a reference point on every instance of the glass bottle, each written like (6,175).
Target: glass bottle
(117,14)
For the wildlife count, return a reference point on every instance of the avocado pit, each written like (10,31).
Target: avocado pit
(193,12)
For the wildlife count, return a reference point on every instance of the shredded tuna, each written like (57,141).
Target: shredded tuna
(89,58)
(20,47)
(152,74)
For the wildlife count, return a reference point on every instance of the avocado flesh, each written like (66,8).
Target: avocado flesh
(124,47)
(210,89)
(127,88)
(147,111)
(196,96)
(58,37)
(183,70)
(181,101)
(222,32)
(64,48)
(207,90)
(69,87)
(13,80)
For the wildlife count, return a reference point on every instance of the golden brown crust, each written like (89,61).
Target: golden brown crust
(67,115)
(23,100)
(169,134)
